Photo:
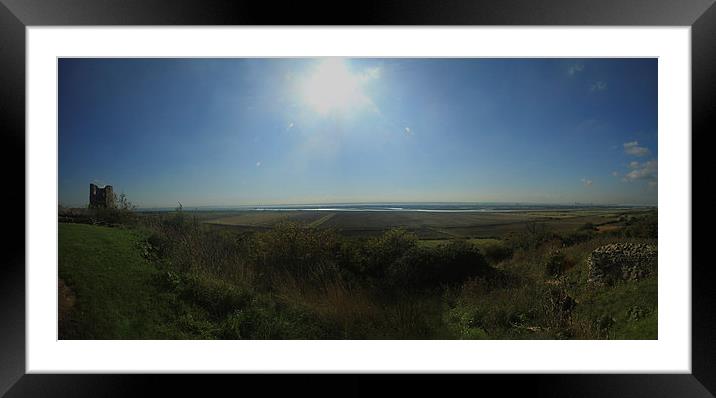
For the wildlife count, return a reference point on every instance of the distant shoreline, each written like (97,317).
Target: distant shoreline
(405,207)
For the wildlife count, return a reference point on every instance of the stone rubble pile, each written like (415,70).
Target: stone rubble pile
(621,261)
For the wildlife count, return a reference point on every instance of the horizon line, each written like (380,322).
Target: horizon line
(315,204)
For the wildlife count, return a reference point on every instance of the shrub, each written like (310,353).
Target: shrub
(409,317)
(459,260)
(267,319)
(195,327)
(450,263)
(217,297)
(379,253)
(554,264)
(558,307)
(158,245)
(646,226)
(587,227)
(494,253)
(123,213)
(485,312)
(576,237)
(305,253)
(534,235)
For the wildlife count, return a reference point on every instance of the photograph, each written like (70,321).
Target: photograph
(357,198)
(398,188)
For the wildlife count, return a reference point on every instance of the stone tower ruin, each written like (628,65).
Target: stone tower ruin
(101,197)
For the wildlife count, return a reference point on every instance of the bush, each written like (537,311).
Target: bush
(554,264)
(378,253)
(305,253)
(587,227)
(121,214)
(459,260)
(196,327)
(534,235)
(450,263)
(158,245)
(646,226)
(217,297)
(498,313)
(267,319)
(410,317)
(558,307)
(494,253)
(576,237)
(111,216)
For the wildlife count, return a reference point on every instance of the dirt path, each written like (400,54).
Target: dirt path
(65,300)
(321,220)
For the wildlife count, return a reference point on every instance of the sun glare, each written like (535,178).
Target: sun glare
(332,88)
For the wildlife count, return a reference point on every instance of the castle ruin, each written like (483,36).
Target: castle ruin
(101,197)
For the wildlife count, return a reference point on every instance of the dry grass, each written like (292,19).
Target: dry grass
(350,308)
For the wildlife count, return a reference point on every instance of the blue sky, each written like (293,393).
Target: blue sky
(222,132)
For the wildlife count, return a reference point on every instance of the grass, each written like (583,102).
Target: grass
(179,278)
(121,295)
(630,307)
(115,295)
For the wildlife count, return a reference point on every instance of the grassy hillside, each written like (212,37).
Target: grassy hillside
(117,288)
(173,276)
(112,285)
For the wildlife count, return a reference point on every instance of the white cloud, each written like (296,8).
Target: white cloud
(574,68)
(598,86)
(615,173)
(586,182)
(646,171)
(640,171)
(633,148)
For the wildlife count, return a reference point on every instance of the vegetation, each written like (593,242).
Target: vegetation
(113,285)
(122,213)
(169,275)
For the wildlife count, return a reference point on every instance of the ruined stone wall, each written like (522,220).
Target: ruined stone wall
(621,261)
(101,197)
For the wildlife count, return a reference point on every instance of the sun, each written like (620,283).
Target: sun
(331,88)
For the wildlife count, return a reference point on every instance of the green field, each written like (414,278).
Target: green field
(114,297)
(426,225)
(479,242)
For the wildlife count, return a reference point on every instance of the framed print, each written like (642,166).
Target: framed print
(350,197)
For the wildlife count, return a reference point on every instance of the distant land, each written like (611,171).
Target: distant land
(457,207)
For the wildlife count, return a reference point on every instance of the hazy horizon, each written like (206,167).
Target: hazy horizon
(344,204)
(312,131)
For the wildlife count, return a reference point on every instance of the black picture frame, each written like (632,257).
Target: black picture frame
(16,15)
